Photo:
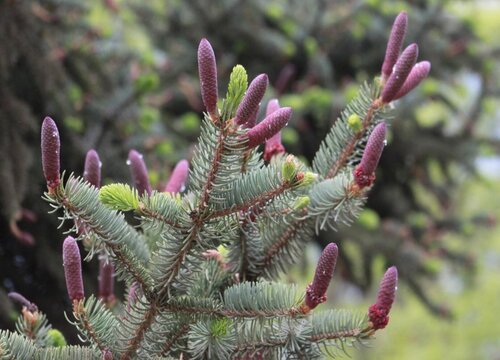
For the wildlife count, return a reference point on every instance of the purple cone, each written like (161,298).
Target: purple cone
(378,313)
(394,44)
(178,177)
(106,280)
(73,269)
(139,172)
(316,291)
(418,73)
(251,101)
(273,145)
(401,71)
(364,173)
(92,172)
(207,69)
(268,127)
(51,147)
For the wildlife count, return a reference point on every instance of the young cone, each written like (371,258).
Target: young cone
(22,300)
(178,177)
(139,172)
(268,127)
(251,101)
(106,280)
(73,269)
(378,312)
(273,145)
(364,173)
(92,171)
(394,44)
(418,73)
(207,69)
(51,147)
(401,71)
(316,291)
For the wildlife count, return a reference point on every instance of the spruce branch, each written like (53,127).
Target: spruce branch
(95,323)
(80,201)
(343,144)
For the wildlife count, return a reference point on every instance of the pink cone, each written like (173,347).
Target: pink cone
(207,69)
(364,173)
(72,263)
(316,291)
(51,148)
(394,44)
(401,71)
(92,172)
(178,177)
(139,172)
(251,101)
(417,74)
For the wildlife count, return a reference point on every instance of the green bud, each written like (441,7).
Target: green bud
(223,251)
(288,169)
(354,122)
(301,202)
(119,197)
(306,178)
(56,338)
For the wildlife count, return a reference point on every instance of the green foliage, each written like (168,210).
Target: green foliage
(264,214)
(56,338)
(119,197)
(238,82)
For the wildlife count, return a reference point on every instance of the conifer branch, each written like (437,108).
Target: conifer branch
(80,314)
(136,339)
(179,333)
(342,334)
(95,322)
(351,144)
(80,202)
(257,202)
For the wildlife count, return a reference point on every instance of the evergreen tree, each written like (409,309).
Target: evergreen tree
(201,266)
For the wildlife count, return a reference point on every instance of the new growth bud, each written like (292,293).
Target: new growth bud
(418,73)
(207,69)
(178,177)
(51,146)
(251,101)
(364,173)
(316,291)
(378,313)
(394,44)
(289,169)
(92,171)
(268,127)
(73,269)
(106,280)
(139,172)
(401,71)
(273,145)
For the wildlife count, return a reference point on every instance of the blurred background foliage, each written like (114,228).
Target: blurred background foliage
(123,74)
